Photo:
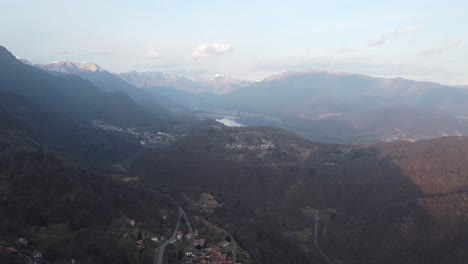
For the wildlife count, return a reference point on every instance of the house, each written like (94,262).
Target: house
(12,250)
(131,222)
(188,236)
(189,254)
(31,256)
(140,245)
(22,242)
(179,235)
(199,242)
(195,233)
(224,244)
(156,239)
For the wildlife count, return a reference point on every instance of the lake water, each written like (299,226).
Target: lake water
(229,122)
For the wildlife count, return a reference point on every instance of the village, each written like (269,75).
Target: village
(145,138)
(192,240)
(251,144)
(195,240)
(194,246)
(200,251)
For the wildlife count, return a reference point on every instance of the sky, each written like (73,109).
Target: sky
(251,39)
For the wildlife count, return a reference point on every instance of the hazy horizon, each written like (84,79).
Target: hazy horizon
(417,40)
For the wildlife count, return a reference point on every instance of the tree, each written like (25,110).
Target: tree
(180,255)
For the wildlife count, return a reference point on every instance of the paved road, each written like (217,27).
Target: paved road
(316,215)
(208,206)
(182,214)
(162,247)
(189,225)
(234,248)
(234,244)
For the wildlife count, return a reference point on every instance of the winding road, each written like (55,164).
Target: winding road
(162,247)
(182,214)
(189,225)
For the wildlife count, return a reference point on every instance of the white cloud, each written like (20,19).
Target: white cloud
(384,37)
(345,50)
(210,50)
(442,48)
(153,54)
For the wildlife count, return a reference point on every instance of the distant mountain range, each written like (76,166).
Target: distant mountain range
(320,105)
(59,107)
(108,82)
(218,84)
(71,67)
(105,80)
(341,107)
(320,92)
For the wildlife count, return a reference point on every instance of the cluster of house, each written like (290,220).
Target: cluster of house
(255,144)
(23,250)
(146,138)
(201,254)
(181,235)
(211,255)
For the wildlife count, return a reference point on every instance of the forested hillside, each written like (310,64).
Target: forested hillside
(378,203)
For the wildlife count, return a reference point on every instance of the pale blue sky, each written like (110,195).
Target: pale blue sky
(417,39)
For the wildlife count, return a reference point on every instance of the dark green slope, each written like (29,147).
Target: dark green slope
(72,96)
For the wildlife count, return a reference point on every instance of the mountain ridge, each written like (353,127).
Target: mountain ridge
(321,105)
(75,96)
(70,67)
(217,84)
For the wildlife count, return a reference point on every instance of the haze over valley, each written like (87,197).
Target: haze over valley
(326,106)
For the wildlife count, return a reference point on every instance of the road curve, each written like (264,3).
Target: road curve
(162,247)
(189,225)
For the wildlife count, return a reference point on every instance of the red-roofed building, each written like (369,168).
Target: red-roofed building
(12,250)
(199,242)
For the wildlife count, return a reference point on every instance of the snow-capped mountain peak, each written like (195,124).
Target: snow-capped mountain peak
(69,67)
(216,84)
